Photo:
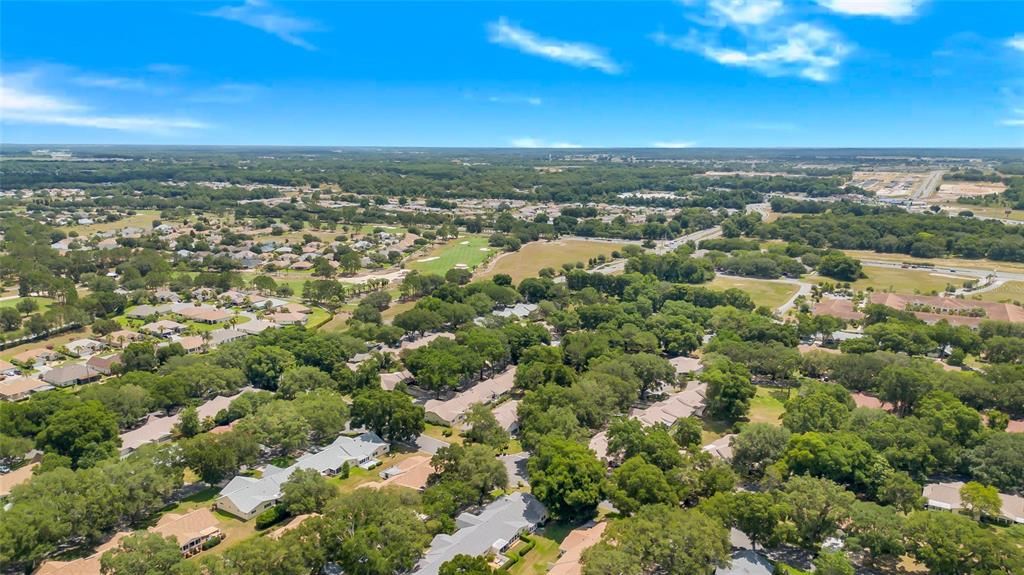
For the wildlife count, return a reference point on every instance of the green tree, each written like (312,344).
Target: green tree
(817,507)
(758,446)
(86,433)
(660,539)
(302,379)
(189,424)
(474,466)
(636,483)
(951,544)
(981,500)
(729,389)
(390,414)
(832,563)
(306,491)
(688,432)
(466,565)
(265,364)
(143,553)
(999,461)
(484,428)
(566,477)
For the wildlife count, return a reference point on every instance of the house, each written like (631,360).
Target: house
(506,414)
(19,388)
(246,497)
(160,428)
(287,318)
(677,405)
(104,365)
(190,530)
(450,411)
(570,551)
(411,473)
(123,337)
(255,326)
(8,369)
(12,479)
(84,347)
(71,374)
(296,308)
(191,343)
(721,447)
(141,312)
(163,328)
(747,562)
(222,336)
(37,357)
(946,497)
(166,295)
(203,314)
(518,311)
(496,528)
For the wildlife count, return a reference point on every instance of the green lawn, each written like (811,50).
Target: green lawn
(539,559)
(767,406)
(535,256)
(463,250)
(1008,292)
(44,303)
(770,294)
(900,280)
(317,316)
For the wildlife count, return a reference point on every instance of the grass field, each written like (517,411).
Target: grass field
(1008,292)
(535,256)
(44,303)
(767,406)
(463,250)
(907,280)
(143,219)
(979,264)
(764,292)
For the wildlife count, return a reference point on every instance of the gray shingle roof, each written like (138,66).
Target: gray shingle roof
(499,522)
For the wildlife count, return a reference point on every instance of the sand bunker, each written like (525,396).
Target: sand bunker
(465,243)
(430,259)
(485,249)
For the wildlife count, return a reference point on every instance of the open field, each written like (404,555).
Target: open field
(768,293)
(953,190)
(908,280)
(535,256)
(1008,292)
(468,250)
(142,219)
(986,211)
(44,303)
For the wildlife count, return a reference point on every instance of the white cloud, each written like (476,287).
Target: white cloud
(746,11)
(673,144)
(884,8)
(538,143)
(1015,122)
(531,100)
(21,103)
(110,82)
(261,15)
(576,54)
(803,50)
(1017,42)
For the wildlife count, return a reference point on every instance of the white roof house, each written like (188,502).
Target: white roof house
(246,497)
(946,497)
(492,531)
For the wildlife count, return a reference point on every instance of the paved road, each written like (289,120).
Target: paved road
(967,271)
(928,186)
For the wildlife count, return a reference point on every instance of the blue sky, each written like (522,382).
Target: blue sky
(731,73)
